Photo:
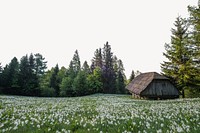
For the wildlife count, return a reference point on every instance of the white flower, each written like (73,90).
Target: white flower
(38,126)
(159,131)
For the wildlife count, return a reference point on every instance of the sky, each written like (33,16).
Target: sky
(136,30)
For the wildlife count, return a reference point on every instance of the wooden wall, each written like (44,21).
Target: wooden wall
(160,89)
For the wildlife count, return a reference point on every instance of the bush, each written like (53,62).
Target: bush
(47,92)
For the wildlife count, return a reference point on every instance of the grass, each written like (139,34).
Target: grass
(98,113)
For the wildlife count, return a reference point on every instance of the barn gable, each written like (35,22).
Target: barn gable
(152,85)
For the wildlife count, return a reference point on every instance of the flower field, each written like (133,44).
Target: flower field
(98,113)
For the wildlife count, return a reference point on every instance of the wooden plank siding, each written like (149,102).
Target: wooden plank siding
(160,89)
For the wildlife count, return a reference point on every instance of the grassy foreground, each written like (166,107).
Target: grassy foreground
(98,113)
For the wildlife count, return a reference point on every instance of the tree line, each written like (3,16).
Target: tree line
(30,76)
(183,53)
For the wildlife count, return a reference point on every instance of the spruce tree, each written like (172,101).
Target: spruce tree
(86,68)
(97,60)
(54,81)
(10,74)
(13,73)
(24,75)
(76,63)
(194,39)
(108,70)
(40,64)
(132,76)
(120,78)
(178,67)
(1,75)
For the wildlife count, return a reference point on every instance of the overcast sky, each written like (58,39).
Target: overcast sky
(136,29)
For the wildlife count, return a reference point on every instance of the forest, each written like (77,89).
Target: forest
(105,74)
(30,76)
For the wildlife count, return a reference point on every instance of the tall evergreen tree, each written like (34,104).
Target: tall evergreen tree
(108,70)
(86,68)
(5,77)
(120,79)
(178,67)
(194,39)
(24,75)
(33,79)
(76,63)
(10,74)
(97,60)
(54,81)
(13,73)
(132,76)
(1,69)
(40,64)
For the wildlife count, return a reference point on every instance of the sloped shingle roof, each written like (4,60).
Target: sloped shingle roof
(139,84)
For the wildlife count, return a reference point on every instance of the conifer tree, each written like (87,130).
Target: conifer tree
(194,40)
(132,76)
(86,68)
(178,67)
(108,70)
(13,73)
(24,75)
(54,81)
(40,64)
(120,78)
(1,75)
(76,63)
(97,60)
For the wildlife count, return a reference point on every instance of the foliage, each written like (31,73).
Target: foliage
(108,70)
(54,80)
(66,87)
(40,64)
(94,81)
(179,67)
(106,75)
(80,84)
(194,41)
(132,76)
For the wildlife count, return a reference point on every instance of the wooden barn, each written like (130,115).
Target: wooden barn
(152,85)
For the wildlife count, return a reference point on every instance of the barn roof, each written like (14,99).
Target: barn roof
(138,84)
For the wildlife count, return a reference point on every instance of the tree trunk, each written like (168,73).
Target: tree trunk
(183,93)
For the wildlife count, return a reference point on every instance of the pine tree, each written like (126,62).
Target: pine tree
(5,77)
(54,81)
(97,60)
(24,75)
(40,64)
(132,76)
(108,70)
(28,80)
(0,68)
(194,39)
(13,73)
(178,67)
(86,68)
(120,80)
(33,79)
(10,74)
(76,63)
(1,75)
